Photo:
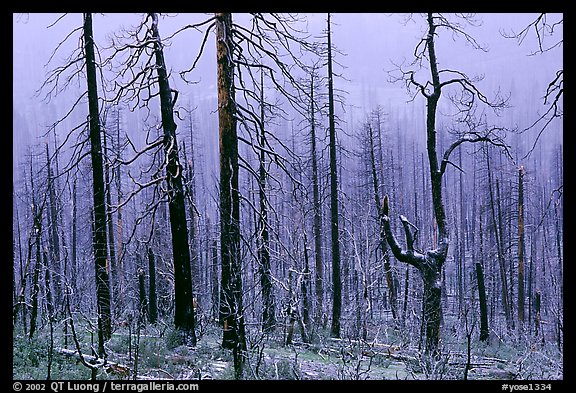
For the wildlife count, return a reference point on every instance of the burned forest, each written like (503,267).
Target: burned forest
(252,196)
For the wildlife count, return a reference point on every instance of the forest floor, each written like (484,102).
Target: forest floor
(160,357)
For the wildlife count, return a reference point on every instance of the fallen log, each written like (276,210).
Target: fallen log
(109,367)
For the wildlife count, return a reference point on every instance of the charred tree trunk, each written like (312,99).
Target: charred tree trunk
(152,304)
(482,299)
(305,297)
(113,269)
(213,246)
(142,301)
(183,300)
(431,262)
(54,238)
(336,279)
(119,291)
(99,233)
(521,246)
(317,223)
(74,263)
(269,308)
(191,188)
(500,248)
(231,302)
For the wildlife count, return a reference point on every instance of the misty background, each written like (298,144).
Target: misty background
(370,45)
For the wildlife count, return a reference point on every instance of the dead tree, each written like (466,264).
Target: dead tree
(269,308)
(334,217)
(430,262)
(317,223)
(99,234)
(231,305)
(521,246)
(152,81)
(383,243)
(482,298)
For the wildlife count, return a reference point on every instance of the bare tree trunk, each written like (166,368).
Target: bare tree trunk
(212,244)
(152,304)
(231,302)
(113,269)
(183,307)
(268,308)
(99,233)
(305,296)
(500,250)
(521,247)
(334,216)
(120,276)
(317,223)
(74,267)
(54,238)
(429,264)
(482,298)
(50,309)
(142,300)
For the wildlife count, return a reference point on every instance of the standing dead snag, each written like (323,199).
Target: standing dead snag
(231,307)
(392,291)
(521,246)
(336,279)
(99,233)
(183,307)
(465,100)
(430,266)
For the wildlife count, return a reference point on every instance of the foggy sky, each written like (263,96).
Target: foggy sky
(370,43)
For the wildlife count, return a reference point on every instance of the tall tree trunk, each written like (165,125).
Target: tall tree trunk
(191,189)
(336,279)
(305,297)
(183,301)
(435,259)
(37,214)
(54,238)
(99,233)
(268,308)
(521,246)
(120,276)
(317,223)
(113,269)
(499,246)
(429,264)
(231,302)
(74,263)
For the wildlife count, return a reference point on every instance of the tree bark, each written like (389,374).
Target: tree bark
(99,233)
(521,246)
(54,238)
(113,269)
(268,308)
(500,251)
(183,297)
(482,298)
(317,223)
(231,302)
(334,216)
(152,304)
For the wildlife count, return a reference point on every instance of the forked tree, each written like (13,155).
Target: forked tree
(430,262)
